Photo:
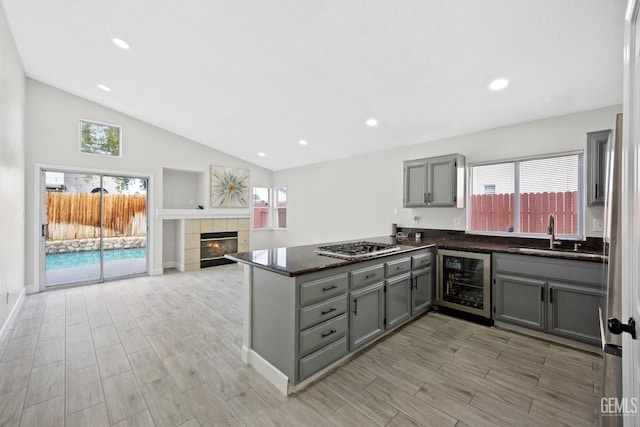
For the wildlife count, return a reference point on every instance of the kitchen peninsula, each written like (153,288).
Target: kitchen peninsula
(306,312)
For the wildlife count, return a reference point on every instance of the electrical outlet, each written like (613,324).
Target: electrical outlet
(416,219)
(597,224)
(456,221)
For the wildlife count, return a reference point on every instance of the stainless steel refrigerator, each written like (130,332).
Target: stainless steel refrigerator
(612,343)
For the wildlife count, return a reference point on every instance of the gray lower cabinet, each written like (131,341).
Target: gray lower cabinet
(398,300)
(303,324)
(422,290)
(557,296)
(571,311)
(366,318)
(423,281)
(520,300)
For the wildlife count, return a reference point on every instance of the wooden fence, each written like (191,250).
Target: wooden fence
(495,212)
(77,215)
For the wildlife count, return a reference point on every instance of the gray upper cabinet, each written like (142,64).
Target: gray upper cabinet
(434,182)
(596,166)
(415,183)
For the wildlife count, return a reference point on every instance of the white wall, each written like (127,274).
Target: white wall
(12,170)
(356,197)
(52,119)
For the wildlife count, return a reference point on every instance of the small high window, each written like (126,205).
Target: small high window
(100,138)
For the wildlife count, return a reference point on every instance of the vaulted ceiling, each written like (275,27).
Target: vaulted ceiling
(258,76)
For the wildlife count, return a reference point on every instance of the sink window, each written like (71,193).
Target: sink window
(517,196)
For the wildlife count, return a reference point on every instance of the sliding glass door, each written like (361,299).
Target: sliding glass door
(95,227)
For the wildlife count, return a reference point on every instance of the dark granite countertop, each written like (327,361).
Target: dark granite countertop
(299,260)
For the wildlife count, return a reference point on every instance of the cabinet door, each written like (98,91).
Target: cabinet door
(441,185)
(520,300)
(415,183)
(596,166)
(398,301)
(422,290)
(573,311)
(366,316)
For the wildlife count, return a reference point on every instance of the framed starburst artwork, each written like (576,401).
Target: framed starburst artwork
(229,187)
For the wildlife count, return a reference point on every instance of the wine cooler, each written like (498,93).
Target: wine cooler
(464,282)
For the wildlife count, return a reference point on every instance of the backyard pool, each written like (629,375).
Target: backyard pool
(77,259)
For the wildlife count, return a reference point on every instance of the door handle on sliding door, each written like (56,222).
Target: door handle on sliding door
(45,230)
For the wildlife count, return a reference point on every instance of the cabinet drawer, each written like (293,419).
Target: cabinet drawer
(398,266)
(368,275)
(322,334)
(323,288)
(322,311)
(422,260)
(322,358)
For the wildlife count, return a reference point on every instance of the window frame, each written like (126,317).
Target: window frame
(254,207)
(272,208)
(82,150)
(275,208)
(580,226)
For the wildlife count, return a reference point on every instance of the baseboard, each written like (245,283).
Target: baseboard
(169,264)
(577,345)
(31,289)
(156,272)
(267,370)
(12,314)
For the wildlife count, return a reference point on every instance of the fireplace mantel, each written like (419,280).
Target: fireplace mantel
(162,214)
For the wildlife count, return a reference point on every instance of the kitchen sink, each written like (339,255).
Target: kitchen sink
(554,252)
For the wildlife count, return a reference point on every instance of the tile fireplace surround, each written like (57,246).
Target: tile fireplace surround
(194,227)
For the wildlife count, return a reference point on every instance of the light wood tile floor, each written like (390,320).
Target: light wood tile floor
(165,351)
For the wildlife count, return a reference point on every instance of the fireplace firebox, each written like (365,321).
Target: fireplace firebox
(213,246)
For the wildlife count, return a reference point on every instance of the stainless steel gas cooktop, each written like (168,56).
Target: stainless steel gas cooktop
(355,250)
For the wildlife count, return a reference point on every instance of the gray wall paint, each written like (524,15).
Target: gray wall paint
(52,139)
(12,169)
(356,197)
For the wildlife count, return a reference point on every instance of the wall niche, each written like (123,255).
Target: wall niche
(182,189)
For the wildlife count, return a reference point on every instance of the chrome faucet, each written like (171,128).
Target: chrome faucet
(551,230)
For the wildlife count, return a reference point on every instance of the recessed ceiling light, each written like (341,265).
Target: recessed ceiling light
(120,43)
(105,88)
(262,154)
(372,122)
(303,142)
(498,84)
